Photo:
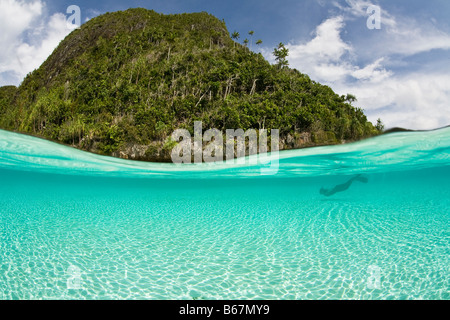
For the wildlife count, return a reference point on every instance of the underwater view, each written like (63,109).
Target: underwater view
(366,220)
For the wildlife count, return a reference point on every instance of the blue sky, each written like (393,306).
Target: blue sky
(400,73)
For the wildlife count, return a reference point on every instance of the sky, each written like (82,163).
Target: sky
(395,60)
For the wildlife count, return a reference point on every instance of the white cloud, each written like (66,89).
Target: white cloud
(403,35)
(416,98)
(327,44)
(322,57)
(327,58)
(15,17)
(32,56)
(410,39)
(28,37)
(374,72)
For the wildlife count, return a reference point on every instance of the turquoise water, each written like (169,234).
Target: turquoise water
(74,225)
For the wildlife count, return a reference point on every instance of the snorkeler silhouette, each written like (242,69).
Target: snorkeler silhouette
(343,186)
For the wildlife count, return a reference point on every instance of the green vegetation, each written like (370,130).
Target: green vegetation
(380,125)
(281,53)
(124,81)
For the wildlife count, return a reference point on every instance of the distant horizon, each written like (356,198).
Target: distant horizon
(398,72)
(397,129)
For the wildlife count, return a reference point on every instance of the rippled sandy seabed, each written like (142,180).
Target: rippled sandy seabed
(79,226)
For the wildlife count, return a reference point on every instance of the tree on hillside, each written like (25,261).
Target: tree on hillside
(380,125)
(235,36)
(281,53)
(251,32)
(349,98)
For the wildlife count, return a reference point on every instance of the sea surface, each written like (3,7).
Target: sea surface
(75,225)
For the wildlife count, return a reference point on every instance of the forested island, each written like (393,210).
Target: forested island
(124,81)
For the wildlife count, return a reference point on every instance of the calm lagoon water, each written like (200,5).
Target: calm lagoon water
(74,225)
